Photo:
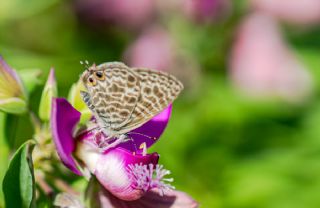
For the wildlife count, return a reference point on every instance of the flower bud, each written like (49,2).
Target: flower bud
(49,91)
(13,98)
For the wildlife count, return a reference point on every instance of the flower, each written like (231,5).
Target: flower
(153,49)
(49,91)
(126,171)
(13,97)
(291,11)
(125,13)
(262,65)
(205,11)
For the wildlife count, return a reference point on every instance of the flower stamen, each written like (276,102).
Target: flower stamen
(143,146)
(146,177)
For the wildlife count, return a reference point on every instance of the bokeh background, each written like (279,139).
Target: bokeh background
(245,131)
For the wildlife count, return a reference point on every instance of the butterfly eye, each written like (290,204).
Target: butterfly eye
(99,75)
(92,81)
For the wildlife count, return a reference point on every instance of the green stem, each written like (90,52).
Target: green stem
(35,121)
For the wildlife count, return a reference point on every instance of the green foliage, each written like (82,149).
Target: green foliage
(16,130)
(16,9)
(18,184)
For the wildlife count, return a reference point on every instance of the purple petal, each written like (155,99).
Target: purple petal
(112,173)
(63,120)
(111,167)
(150,131)
(174,199)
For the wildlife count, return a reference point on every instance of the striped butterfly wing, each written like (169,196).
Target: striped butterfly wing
(116,97)
(158,90)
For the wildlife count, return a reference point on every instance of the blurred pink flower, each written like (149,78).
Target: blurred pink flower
(126,13)
(263,65)
(153,49)
(292,11)
(206,10)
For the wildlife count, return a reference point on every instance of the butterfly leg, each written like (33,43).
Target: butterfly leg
(98,138)
(122,138)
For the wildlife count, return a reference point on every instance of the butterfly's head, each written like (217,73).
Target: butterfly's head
(91,76)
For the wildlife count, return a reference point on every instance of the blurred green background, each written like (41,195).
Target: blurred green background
(227,144)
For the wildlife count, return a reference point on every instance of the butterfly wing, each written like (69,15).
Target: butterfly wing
(158,90)
(116,97)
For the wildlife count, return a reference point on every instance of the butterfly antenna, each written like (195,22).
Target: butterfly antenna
(149,137)
(86,64)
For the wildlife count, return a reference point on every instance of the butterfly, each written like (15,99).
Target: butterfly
(123,98)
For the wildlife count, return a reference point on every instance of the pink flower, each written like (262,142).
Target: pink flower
(153,49)
(205,11)
(291,11)
(263,65)
(126,13)
(128,174)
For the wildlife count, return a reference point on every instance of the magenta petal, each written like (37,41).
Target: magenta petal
(153,128)
(112,172)
(174,199)
(63,120)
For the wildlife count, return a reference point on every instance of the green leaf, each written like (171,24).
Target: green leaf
(18,184)
(13,105)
